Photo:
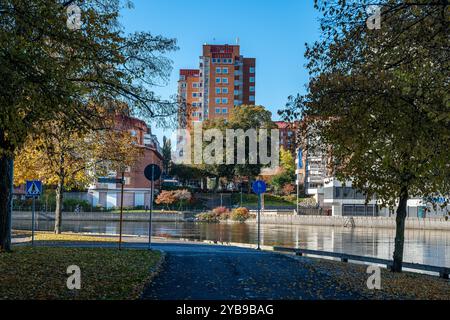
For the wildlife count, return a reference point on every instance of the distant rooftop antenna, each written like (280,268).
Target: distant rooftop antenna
(237,40)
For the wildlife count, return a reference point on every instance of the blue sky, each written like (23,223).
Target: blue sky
(273,32)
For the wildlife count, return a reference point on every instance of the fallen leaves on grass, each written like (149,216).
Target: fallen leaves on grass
(405,285)
(44,236)
(40,273)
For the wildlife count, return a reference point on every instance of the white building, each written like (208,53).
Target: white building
(346,201)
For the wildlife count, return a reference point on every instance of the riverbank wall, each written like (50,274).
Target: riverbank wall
(104,216)
(355,222)
(280,219)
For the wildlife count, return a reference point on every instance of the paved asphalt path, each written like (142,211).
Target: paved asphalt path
(209,272)
(214,272)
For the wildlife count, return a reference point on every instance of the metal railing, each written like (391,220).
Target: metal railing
(443,271)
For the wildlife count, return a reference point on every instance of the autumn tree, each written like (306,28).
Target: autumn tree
(50,71)
(286,176)
(380,99)
(183,197)
(68,159)
(166,198)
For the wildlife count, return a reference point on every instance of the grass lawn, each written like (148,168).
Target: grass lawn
(68,237)
(269,200)
(71,237)
(405,285)
(40,273)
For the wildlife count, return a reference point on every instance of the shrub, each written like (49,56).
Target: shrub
(240,214)
(220,210)
(222,213)
(225,216)
(288,189)
(166,197)
(290,198)
(207,217)
(180,197)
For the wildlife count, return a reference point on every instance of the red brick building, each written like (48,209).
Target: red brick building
(287,135)
(224,79)
(137,187)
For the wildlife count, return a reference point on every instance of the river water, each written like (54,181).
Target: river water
(421,246)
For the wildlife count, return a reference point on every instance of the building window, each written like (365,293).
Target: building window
(225,70)
(195,85)
(252,89)
(217,80)
(224,100)
(194,104)
(217,90)
(252,98)
(252,79)
(218,100)
(214,60)
(236,92)
(194,94)
(224,90)
(252,69)
(224,110)
(218,60)
(225,80)
(218,70)
(217,110)
(127,181)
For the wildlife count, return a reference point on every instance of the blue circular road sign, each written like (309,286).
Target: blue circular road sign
(259,187)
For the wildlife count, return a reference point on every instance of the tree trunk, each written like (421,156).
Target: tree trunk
(6,193)
(400,230)
(59,204)
(216,184)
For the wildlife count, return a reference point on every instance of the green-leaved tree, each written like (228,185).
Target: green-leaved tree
(51,69)
(379,98)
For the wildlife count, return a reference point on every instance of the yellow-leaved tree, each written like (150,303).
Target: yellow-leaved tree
(66,158)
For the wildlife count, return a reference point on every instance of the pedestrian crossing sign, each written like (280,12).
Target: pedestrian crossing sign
(33,188)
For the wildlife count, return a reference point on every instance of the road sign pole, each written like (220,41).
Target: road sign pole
(151,172)
(121,211)
(259,221)
(151,210)
(259,187)
(32,220)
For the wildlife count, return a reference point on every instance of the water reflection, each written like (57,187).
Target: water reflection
(421,246)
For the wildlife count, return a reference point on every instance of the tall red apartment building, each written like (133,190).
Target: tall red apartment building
(224,79)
